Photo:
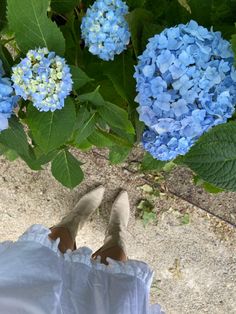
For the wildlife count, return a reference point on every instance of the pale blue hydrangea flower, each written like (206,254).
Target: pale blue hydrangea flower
(186,84)
(104,28)
(7,99)
(44,78)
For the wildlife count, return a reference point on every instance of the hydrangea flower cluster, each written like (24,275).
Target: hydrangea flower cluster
(185,84)
(7,99)
(44,78)
(104,28)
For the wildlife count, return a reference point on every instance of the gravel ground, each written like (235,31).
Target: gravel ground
(192,253)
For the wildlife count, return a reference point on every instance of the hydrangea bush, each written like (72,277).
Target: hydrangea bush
(186,85)
(113,74)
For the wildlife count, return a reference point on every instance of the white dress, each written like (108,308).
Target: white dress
(36,278)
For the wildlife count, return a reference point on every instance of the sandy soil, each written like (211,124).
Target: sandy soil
(194,263)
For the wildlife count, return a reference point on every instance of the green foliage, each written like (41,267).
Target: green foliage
(6,58)
(64,6)
(85,128)
(3,7)
(149,163)
(14,138)
(80,78)
(66,169)
(116,117)
(94,98)
(137,19)
(185,219)
(213,157)
(118,154)
(120,72)
(50,130)
(146,213)
(207,186)
(101,110)
(30,17)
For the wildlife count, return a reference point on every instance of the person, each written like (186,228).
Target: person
(44,273)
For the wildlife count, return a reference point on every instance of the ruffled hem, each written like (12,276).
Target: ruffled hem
(156,309)
(39,233)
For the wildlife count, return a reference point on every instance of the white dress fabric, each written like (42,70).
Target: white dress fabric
(36,278)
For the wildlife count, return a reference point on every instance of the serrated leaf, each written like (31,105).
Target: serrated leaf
(150,163)
(116,116)
(66,169)
(213,157)
(33,29)
(79,77)
(51,129)
(63,6)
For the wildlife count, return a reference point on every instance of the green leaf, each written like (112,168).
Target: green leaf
(213,157)
(86,129)
(80,78)
(42,158)
(149,163)
(137,19)
(63,6)
(132,4)
(6,58)
(66,169)
(51,129)
(233,43)
(10,154)
(94,97)
(118,154)
(116,116)
(198,181)
(100,139)
(83,145)
(28,19)
(114,139)
(120,72)
(14,138)
(185,219)
(148,217)
(3,10)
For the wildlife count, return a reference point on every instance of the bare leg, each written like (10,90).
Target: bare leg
(114,252)
(66,242)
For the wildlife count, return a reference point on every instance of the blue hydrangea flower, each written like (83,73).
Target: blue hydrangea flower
(44,78)
(104,28)
(7,99)
(186,85)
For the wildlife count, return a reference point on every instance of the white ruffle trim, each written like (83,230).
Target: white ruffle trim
(39,233)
